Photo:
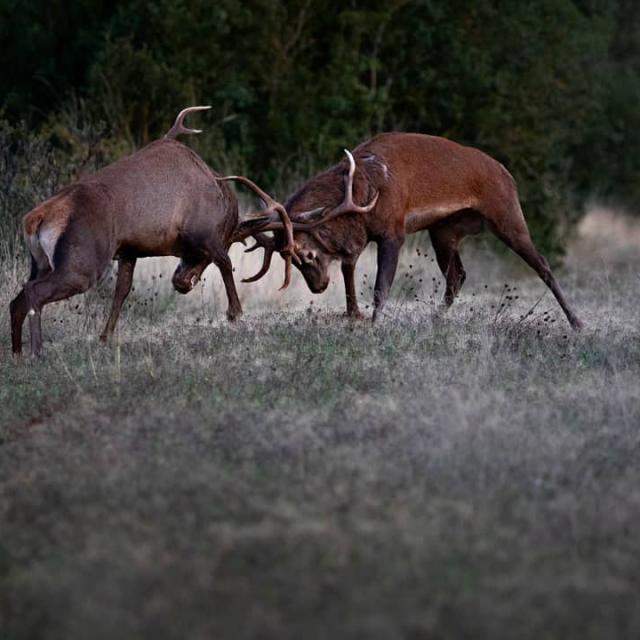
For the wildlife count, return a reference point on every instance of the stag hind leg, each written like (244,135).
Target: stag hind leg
(450,264)
(55,285)
(18,310)
(513,231)
(19,307)
(126,267)
(446,237)
(73,273)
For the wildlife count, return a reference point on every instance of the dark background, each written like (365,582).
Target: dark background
(550,88)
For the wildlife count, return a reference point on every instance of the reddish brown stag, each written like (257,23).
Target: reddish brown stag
(407,182)
(161,201)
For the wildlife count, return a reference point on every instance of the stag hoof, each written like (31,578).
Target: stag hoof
(576,324)
(353,315)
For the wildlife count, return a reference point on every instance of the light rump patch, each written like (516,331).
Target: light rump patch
(56,210)
(48,237)
(44,225)
(41,258)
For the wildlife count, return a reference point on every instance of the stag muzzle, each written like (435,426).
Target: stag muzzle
(318,288)
(186,277)
(316,281)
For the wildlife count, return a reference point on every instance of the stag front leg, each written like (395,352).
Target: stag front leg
(126,267)
(388,254)
(223,263)
(349,274)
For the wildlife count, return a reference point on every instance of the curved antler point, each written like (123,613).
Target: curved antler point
(352,163)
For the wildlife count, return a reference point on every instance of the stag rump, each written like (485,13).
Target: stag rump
(410,182)
(163,200)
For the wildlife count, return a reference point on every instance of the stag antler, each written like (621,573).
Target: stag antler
(269,246)
(179,128)
(267,221)
(306,220)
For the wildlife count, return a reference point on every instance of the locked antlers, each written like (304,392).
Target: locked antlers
(276,218)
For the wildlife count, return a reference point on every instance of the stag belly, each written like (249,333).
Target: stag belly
(420,218)
(148,248)
(149,235)
(161,244)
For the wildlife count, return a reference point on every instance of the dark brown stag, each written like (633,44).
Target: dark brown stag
(163,200)
(410,182)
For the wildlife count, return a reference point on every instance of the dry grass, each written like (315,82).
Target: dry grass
(298,475)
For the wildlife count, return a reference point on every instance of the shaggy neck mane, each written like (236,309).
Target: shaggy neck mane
(327,189)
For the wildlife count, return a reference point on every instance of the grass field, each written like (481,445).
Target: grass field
(297,475)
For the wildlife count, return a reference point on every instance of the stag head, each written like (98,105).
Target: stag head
(309,252)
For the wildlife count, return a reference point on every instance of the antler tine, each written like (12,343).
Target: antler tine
(269,246)
(263,195)
(348,183)
(273,207)
(287,269)
(346,206)
(178,127)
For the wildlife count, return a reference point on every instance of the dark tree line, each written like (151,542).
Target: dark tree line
(550,87)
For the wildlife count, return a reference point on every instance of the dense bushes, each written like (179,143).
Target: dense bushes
(550,88)
(33,166)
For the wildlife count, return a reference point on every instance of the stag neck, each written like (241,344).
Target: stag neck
(339,238)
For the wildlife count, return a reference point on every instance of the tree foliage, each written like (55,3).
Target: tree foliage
(548,87)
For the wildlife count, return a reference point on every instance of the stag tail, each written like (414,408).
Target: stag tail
(178,128)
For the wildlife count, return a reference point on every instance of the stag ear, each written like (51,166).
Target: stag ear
(311,216)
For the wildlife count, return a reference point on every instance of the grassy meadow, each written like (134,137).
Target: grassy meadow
(295,475)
